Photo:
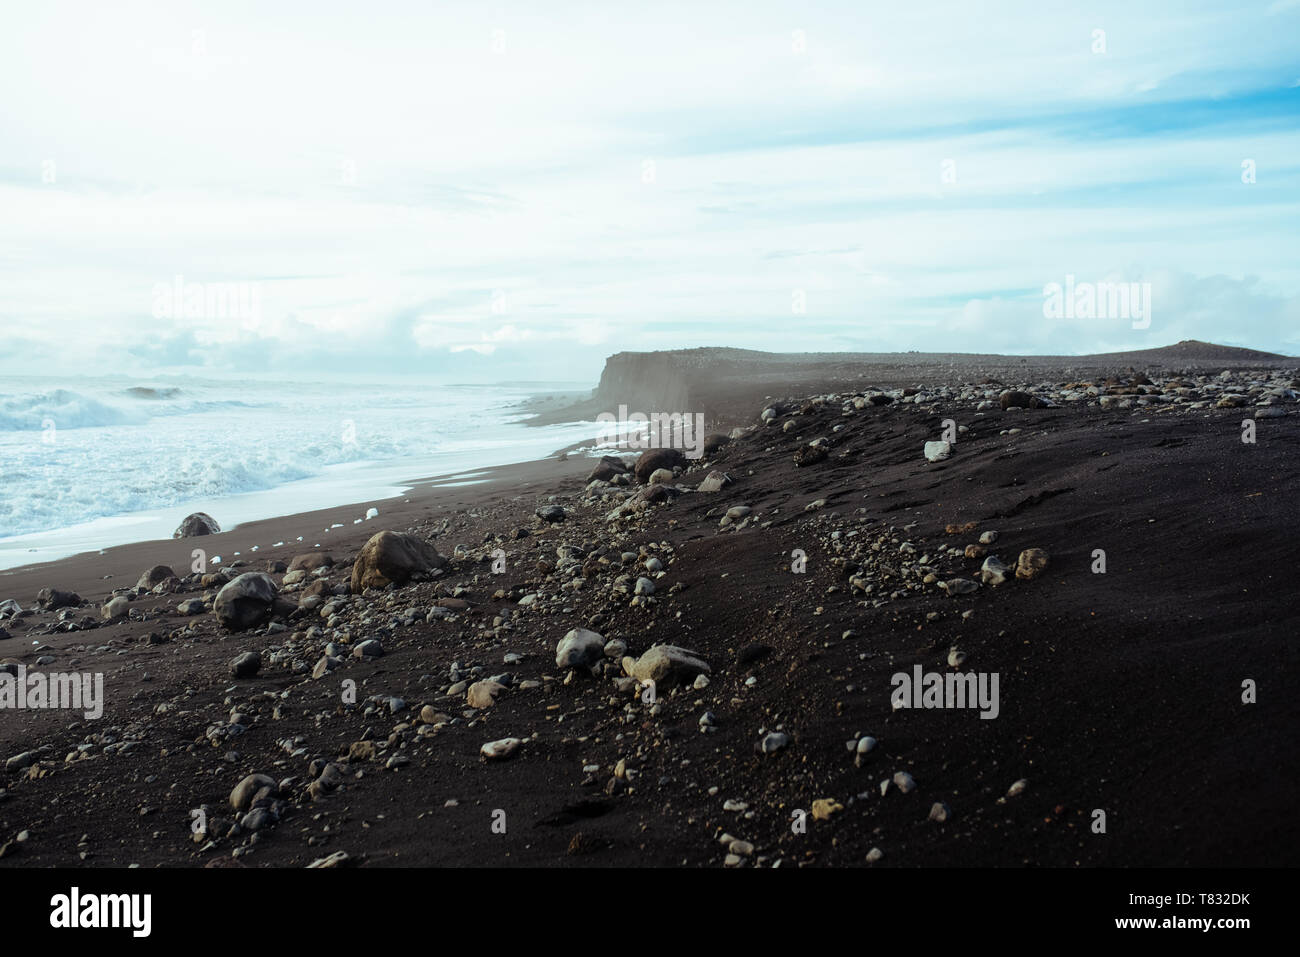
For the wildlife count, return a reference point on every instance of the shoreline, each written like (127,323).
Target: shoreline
(337,487)
(254,540)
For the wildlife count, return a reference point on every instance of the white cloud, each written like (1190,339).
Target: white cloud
(382,178)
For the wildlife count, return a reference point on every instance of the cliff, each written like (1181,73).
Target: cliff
(728,385)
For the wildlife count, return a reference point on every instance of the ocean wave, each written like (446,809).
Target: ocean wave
(152,392)
(61,408)
(205,478)
(32,503)
(66,409)
(121,449)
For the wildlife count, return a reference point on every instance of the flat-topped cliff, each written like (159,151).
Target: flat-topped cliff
(725,383)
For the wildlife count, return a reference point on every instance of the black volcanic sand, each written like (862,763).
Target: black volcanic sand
(1118,691)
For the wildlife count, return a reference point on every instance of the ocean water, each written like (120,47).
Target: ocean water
(90,463)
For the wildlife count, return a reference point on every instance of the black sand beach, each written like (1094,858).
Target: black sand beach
(1119,691)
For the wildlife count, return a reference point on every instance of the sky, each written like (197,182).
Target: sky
(489,191)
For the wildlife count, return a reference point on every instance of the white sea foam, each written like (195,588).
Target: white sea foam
(101,462)
(72,409)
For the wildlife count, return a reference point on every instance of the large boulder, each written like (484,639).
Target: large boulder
(483,694)
(154,576)
(651,460)
(198,523)
(607,468)
(551,513)
(1031,563)
(666,663)
(246,601)
(715,481)
(251,788)
(118,607)
(319,587)
(500,750)
(1020,400)
(49,599)
(246,665)
(937,451)
(392,558)
(994,571)
(580,648)
(310,562)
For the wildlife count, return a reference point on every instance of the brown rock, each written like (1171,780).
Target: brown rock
(246,601)
(666,663)
(391,558)
(361,751)
(810,455)
(652,459)
(1019,400)
(1031,563)
(50,599)
(319,587)
(607,468)
(656,494)
(483,694)
(155,576)
(823,809)
(241,798)
(715,481)
(198,523)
